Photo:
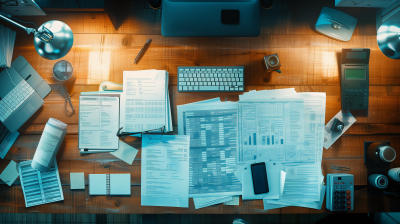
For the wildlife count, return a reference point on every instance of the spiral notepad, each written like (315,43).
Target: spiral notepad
(110,184)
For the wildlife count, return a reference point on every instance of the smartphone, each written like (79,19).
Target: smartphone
(260,180)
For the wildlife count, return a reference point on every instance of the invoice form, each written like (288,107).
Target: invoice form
(165,170)
(143,101)
(98,122)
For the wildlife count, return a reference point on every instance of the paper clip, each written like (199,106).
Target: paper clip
(342,168)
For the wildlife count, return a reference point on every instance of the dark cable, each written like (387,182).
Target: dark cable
(24,22)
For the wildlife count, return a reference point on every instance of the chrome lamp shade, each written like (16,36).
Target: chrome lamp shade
(53,40)
(389,38)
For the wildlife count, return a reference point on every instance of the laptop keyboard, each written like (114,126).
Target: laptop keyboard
(211,79)
(14,99)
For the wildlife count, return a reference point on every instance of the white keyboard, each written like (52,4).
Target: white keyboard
(211,79)
(14,99)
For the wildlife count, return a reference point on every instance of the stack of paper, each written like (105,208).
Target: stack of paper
(287,128)
(145,102)
(7,40)
(212,126)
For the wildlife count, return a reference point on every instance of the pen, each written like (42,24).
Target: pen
(142,51)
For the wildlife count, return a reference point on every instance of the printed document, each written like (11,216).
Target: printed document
(143,101)
(212,126)
(165,170)
(292,128)
(98,121)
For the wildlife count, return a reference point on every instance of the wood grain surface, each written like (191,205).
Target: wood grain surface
(310,63)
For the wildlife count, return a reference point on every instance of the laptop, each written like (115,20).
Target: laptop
(195,18)
(18,99)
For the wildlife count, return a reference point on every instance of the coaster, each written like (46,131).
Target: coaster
(77,181)
(366,145)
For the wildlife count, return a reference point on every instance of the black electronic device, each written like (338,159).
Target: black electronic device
(155,4)
(266,4)
(354,77)
(260,180)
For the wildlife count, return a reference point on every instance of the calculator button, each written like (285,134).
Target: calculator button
(351,90)
(348,192)
(347,90)
(365,94)
(348,197)
(356,90)
(360,90)
(349,202)
(365,90)
(349,207)
(343,207)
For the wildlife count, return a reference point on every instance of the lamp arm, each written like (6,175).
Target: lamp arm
(28,30)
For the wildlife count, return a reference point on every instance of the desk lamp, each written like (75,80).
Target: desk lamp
(53,39)
(389,38)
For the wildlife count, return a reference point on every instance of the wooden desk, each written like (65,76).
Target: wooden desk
(310,63)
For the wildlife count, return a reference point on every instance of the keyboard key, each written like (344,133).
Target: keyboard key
(195,88)
(190,88)
(227,88)
(221,88)
(182,83)
(208,88)
(185,88)
(240,83)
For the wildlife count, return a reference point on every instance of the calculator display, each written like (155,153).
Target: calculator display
(355,74)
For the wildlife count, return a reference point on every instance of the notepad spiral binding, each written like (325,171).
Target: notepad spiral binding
(108,183)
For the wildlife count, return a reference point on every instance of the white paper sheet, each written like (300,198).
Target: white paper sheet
(299,203)
(303,182)
(10,173)
(212,129)
(125,152)
(234,201)
(165,171)
(143,101)
(209,201)
(330,137)
(290,125)
(98,122)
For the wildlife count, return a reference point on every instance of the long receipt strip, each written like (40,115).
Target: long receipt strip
(98,121)
(143,102)
(212,126)
(165,170)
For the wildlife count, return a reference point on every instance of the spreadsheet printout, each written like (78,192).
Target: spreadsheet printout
(212,150)
(143,101)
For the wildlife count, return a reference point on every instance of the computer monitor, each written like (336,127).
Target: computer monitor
(187,18)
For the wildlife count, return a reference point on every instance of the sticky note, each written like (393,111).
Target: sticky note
(77,181)
(125,152)
(10,173)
